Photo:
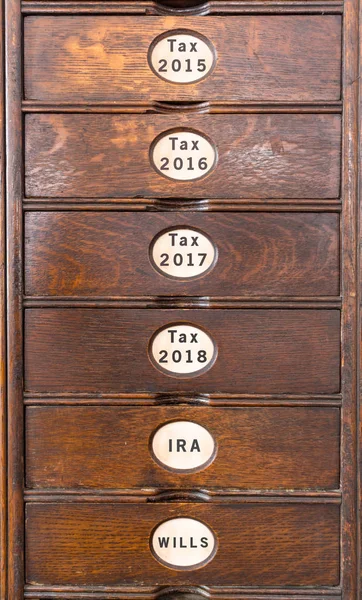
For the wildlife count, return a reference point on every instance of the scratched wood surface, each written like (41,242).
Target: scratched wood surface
(300,548)
(263,57)
(109,543)
(260,156)
(3,330)
(108,447)
(218,7)
(92,253)
(106,350)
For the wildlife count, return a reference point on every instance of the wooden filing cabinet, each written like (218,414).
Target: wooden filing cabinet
(181,325)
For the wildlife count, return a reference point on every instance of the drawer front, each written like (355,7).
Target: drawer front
(102,254)
(107,350)
(258,544)
(114,447)
(257,156)
(264,58)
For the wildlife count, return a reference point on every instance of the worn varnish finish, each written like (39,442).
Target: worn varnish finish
(351,312)
(80,541)
(14,292)
(272,58)
(108,447)
(105,350)
(181,7)
(3,326)
(109,543)
(260,156)
(98,254)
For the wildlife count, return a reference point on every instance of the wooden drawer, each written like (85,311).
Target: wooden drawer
(108,544)
(100,254)
(263,58)
(257,156)
(113,447)
(107,350)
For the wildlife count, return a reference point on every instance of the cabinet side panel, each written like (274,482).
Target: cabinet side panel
(2,327)
(350,349)
(14,194)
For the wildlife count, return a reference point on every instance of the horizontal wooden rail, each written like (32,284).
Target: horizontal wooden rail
(175,204)
(217,400)
(159,302)
(213,7)
(145,593)
(32,106)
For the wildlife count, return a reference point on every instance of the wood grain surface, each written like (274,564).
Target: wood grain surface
(351,313)
(102,254)
(14,292)
(260,156)
(279,544)
(3,330)
(108,447)
(106,350)
(108,544)
(196,7)
(264,57)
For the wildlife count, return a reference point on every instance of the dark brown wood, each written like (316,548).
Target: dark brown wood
(202,108)
(182,7)
(351,543)
(174,592)
(109,543)
(260,156)
(160,302)
(105,350)
(315,174)
(108,447)
(215,399)
(37,592)
(184,205)
(273,58)
(14,290)
(98,254)
(3,394)
(356,113)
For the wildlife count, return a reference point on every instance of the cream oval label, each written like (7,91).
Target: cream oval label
(183,155)
(183,446)
(183,253)
(181,56)
(183,543)
(182,350)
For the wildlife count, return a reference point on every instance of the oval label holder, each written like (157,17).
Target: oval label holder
(181,56)
(182,253)
(182,350)
(183,543)
(183,446)
(183,155)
